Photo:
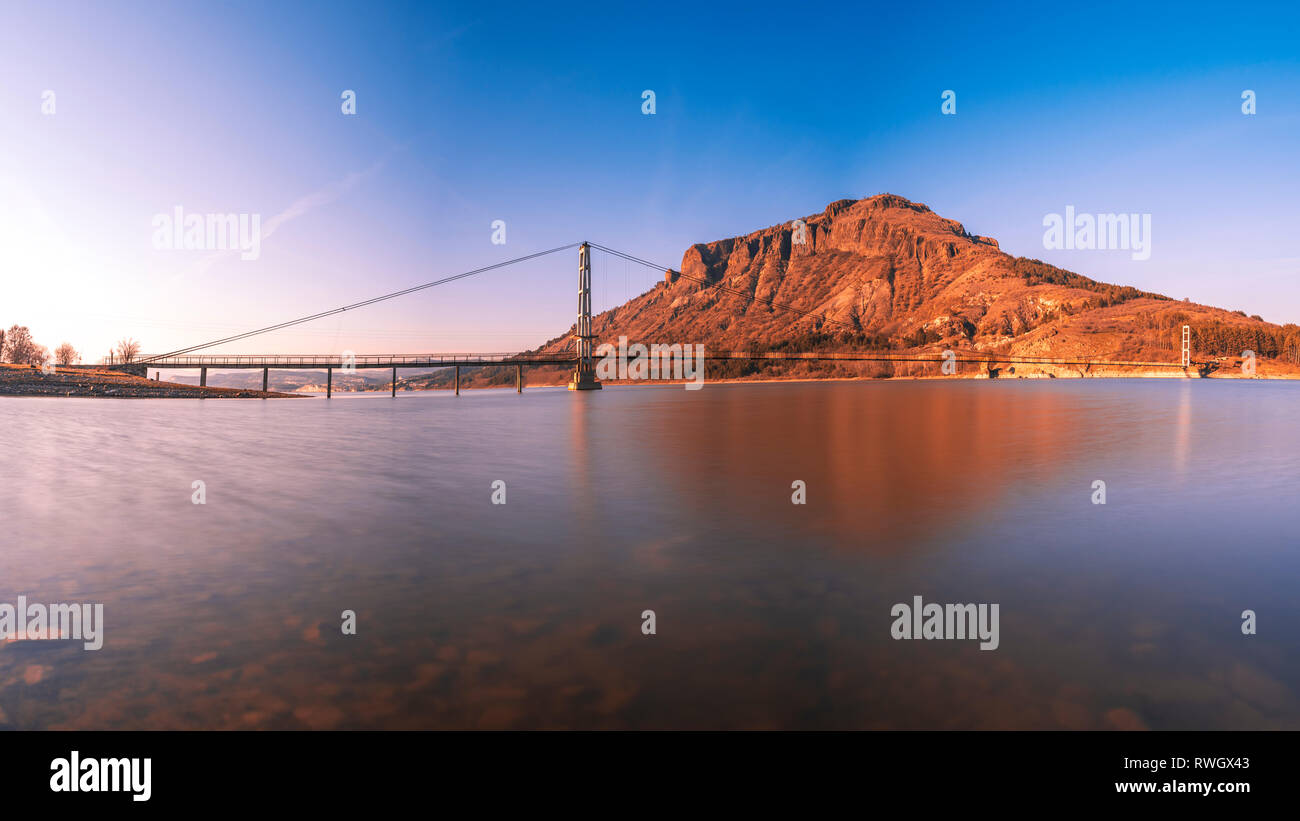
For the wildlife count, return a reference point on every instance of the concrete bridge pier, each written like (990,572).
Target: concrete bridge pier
(519,378)
(265,372)
(203,377)
(329,382)
(394,383)
(458,380)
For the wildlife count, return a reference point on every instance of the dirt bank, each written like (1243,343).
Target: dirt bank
(23,380)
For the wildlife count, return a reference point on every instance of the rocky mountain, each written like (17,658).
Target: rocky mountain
(885,273)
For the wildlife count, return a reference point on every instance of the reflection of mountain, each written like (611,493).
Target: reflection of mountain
(882,476)
(891,274)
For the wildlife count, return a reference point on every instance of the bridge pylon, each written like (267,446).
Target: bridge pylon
(584,372)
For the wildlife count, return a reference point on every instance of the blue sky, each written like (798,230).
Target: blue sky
(531,114)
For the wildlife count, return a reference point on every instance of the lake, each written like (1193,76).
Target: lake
(767,614)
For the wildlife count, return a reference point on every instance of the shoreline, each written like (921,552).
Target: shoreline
(74,382)
(660,383)
(93,383)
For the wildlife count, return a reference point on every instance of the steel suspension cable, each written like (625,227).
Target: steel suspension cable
(356,305)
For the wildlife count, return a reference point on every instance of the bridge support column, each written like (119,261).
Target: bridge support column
(519,378)
(329,382)
(265,373)
(203,377)
(394,383)
(458,380)
(584,374)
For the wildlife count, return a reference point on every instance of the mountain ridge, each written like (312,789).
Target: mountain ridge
(886,273)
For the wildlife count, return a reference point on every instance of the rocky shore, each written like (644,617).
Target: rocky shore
(24,380)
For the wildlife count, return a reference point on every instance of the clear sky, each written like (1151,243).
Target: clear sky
(468,113)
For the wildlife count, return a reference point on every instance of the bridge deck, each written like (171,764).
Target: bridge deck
(434,360)
(439,360)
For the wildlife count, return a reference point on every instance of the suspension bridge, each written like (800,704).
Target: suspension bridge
(581,358)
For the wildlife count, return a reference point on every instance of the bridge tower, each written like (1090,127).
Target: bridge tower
(584,372)
(1187,346)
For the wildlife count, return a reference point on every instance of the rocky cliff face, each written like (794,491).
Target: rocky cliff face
(888,273)
(867,266)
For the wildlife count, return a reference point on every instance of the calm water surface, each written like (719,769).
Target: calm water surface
(528,614)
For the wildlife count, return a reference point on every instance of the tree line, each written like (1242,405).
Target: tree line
(17,347)
(1221,339)
(1037,272)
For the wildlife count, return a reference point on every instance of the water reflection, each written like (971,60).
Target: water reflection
(1184,431)
(769,614)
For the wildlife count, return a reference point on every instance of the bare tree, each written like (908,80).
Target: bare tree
(65,355)
(127,350)
(19,347)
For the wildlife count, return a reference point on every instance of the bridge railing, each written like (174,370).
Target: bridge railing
(337,360)
(443,359)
